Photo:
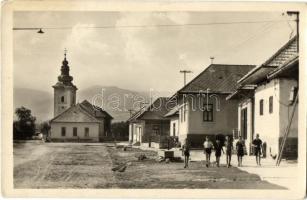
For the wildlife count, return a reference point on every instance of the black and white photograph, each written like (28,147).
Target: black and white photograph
(156,99)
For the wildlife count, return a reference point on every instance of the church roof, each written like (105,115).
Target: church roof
(82,112)
(94,110)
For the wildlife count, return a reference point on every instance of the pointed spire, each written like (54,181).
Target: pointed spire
(65,78)
(65,51)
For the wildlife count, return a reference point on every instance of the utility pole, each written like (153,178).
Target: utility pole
(184,74)
(296,13)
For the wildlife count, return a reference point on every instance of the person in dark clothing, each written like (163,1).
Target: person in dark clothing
(240,150)
(218,152)
(257,144)
(229,147)
(186,153)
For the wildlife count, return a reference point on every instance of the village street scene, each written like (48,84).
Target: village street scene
(156,100)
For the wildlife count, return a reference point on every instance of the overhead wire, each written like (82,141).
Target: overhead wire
(150,26)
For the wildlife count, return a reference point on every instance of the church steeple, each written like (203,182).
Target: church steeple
(65,78)
(64,89)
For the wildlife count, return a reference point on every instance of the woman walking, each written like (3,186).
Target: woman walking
(207,150)
(240,150)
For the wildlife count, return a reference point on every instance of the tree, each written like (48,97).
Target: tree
(45,128)
(120,130)
(24,127)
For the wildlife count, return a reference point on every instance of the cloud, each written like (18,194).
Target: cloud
(85,41)
(139,46)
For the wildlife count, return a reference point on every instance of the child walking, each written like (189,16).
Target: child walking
(186,152)
(207,150)
(218,152)
(229,147)
(257,144)
(240,151)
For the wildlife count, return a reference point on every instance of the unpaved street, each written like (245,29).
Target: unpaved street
(69,165)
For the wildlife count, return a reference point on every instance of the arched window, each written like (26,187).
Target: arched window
(62,99)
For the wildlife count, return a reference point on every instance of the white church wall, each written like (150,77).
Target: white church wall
(56,130)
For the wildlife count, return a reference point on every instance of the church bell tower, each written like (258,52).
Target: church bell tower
(64,90)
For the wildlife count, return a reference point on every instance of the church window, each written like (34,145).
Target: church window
(75,131)
(86,132)
(62,99)
(63,131)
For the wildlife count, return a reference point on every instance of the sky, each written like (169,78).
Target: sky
(140,58)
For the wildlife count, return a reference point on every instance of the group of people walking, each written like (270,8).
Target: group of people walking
(219,149)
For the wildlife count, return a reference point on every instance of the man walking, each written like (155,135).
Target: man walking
(257,144)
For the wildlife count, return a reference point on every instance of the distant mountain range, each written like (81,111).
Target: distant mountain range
(114,100)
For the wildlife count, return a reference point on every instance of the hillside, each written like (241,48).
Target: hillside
(116,101)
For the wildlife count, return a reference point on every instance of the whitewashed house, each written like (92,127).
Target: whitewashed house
(202,106)
(266,97)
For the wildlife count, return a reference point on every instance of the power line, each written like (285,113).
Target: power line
(150,26)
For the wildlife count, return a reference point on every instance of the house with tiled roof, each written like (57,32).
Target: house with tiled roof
(202,107)
(148,126)
(267,99)
(76,122)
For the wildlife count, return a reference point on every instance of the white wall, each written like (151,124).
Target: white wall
(174,120)
(69,99)
(271,126)
(183,123)
(56,130)
(267,125)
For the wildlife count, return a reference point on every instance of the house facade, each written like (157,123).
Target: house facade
(76,122)
(202,106)
(266,97)
(148,127)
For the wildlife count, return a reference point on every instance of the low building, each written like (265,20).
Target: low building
(81,122)
(266,97)
(202,106)
(149,127)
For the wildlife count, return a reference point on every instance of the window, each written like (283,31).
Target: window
(174,129)
(63,131)
(86,132)
(75,131)
(271,104)
(261,107)
(208,113)
(62,99)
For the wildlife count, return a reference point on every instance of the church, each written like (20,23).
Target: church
(81,122)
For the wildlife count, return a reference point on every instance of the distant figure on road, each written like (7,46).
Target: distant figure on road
(229,147)
(240,150)
(207,150)
(186,152)
(218,152)
(257,144)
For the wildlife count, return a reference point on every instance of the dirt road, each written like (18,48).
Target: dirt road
(69,165)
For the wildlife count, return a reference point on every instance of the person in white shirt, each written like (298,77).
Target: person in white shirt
(207,150)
